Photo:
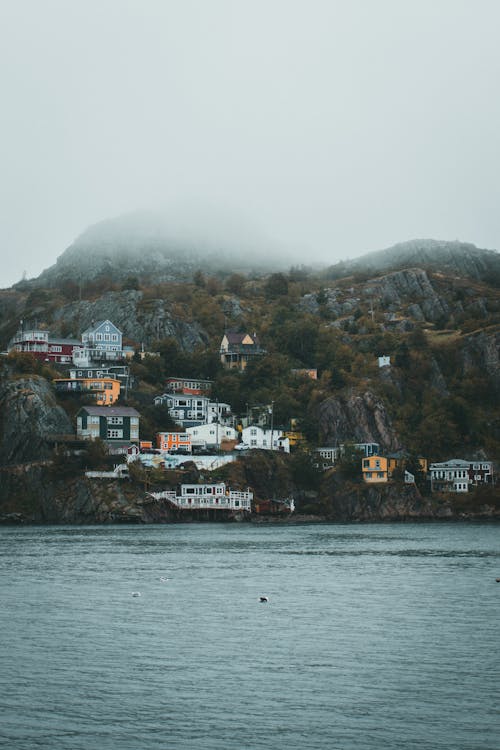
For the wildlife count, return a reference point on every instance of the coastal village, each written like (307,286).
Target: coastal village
(208,433)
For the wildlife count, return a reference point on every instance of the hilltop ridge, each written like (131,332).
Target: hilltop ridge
(453,258)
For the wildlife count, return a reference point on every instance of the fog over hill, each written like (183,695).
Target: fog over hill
(154,246)
(166,247)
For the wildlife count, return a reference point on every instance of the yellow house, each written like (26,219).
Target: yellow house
(294,437)
(237,349)
(105,390)
(375,469)
(399,461)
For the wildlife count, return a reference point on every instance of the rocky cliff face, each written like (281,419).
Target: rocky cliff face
(395,502)
(358,417)
(395,290)
(33,494)
(144,320)
(29,414)
(482,351)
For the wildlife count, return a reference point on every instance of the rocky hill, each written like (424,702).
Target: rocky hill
(433,308)
(451,258)
(152,247)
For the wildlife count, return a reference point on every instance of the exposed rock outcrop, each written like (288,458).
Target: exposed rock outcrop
(358,418)
(410,285)
(29,414)
(144,321)
(397,502)
(482,351)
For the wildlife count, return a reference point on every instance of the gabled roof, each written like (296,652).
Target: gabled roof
(457,463)
(110,411)
(99,323)
(236,338)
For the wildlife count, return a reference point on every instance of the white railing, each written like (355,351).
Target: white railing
(232,500)
(119,472)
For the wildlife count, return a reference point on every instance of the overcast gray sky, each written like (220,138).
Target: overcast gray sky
(333,126)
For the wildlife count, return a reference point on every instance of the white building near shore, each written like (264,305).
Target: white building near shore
(265,439)
(206,497)
(211,435)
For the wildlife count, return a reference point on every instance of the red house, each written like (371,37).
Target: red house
(38,342)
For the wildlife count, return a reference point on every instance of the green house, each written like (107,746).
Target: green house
(114,424)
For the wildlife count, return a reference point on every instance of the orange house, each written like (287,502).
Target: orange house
(375,469)
(173,441)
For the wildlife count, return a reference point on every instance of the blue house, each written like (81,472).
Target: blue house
(103,336)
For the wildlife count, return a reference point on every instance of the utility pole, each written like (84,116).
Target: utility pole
(217,423)
(272,423)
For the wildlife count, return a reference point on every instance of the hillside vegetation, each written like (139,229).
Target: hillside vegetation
(439,397)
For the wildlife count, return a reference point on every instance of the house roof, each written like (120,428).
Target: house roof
(110,411)
(57,340)
(457,463)
(236,339)
(98,324)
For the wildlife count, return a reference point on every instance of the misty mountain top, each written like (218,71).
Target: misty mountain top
(165,247)
(454,258)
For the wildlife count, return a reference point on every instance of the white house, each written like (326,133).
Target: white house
(220,412)
(329,454)
(208,435)
(450,476)
(258,437)
(457,475)
(193,410)
(206,497)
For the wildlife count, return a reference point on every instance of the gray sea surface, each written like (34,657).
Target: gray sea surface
(374,636)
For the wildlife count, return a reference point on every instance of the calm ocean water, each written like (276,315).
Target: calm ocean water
(379,636)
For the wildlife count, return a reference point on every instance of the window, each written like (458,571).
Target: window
(377,464)
(253,442)
(253,431)
(99,337)
(366,463)
(94,420)
(368,475)
(55,348)
(115,434)
(380,474)
(116,420)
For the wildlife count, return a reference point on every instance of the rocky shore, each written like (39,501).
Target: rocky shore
(29,494)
